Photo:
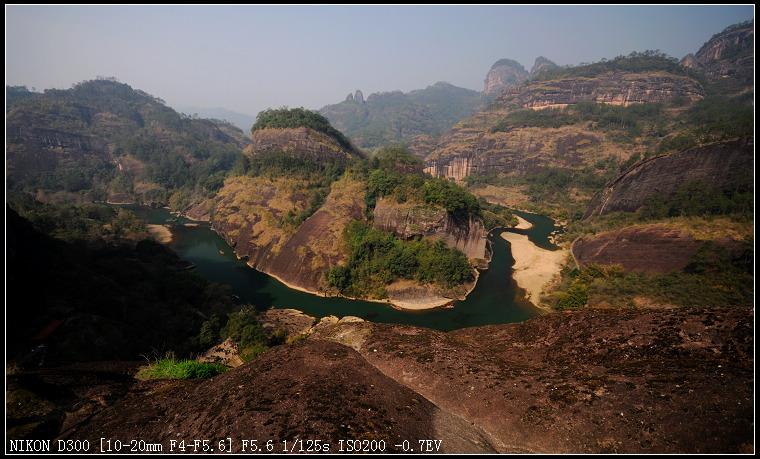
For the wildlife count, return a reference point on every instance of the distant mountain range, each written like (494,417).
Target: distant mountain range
(241,120)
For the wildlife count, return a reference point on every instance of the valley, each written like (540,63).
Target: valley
(562,263)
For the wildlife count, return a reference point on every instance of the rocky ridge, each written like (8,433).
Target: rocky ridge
(727,55)
(250,214)
(471,146)
(648,249)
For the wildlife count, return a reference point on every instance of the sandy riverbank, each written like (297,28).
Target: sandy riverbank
(424,302)
(534,267)
(523,223)
(161,233)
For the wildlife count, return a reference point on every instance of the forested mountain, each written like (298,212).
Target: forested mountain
(304,203)
(393,118)
(102,140)
(577,127)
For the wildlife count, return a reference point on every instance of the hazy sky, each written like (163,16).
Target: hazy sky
(249,58)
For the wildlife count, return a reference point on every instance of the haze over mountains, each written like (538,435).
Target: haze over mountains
(647,337)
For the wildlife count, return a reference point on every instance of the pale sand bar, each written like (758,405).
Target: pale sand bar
(534,267)
(523,223)
(161,233)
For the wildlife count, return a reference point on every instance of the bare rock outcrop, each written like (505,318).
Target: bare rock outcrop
(473,146)
(584,381)
(247,213)
(630,381)
(540,65)
(648,249)
(303,141)
(619,88)
(720,164)
(411,220)
(303,398)
(727,54)
(504,74)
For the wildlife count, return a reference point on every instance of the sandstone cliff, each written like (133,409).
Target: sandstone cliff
(504,74)
(415,220)
(303,141)
(540,65)
(248,213)
(717,164)
(648,249)
(728,54)
(473,146)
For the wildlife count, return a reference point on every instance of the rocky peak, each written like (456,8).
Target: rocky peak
(359,97)
(730,53)
(540,65)
(504,74)
(349,97)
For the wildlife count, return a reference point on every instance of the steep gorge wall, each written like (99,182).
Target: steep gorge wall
(33,149)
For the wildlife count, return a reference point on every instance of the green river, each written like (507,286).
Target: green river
(496,298)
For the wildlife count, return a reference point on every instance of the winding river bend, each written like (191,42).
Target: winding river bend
(495,300)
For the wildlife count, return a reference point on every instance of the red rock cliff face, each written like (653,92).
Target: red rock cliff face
(247,215)
(303,140)
(471,147)
(716,164)
(729,54)
(411,220)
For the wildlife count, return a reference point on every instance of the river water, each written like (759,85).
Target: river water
(496,298)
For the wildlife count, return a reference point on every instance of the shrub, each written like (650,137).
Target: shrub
(180,369)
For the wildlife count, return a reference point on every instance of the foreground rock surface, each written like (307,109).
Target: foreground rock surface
(584,381)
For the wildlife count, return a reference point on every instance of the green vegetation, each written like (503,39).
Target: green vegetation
(285,118)
(716,276)
(92,223)
(376,258)
(549,189)
(710,120)
(95,265)
(185,159)
(629,120)
(244,328)
(496,215)
(693,199)
(170,368)
(646,61)
(314,177)
(394,118)
(393,171)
